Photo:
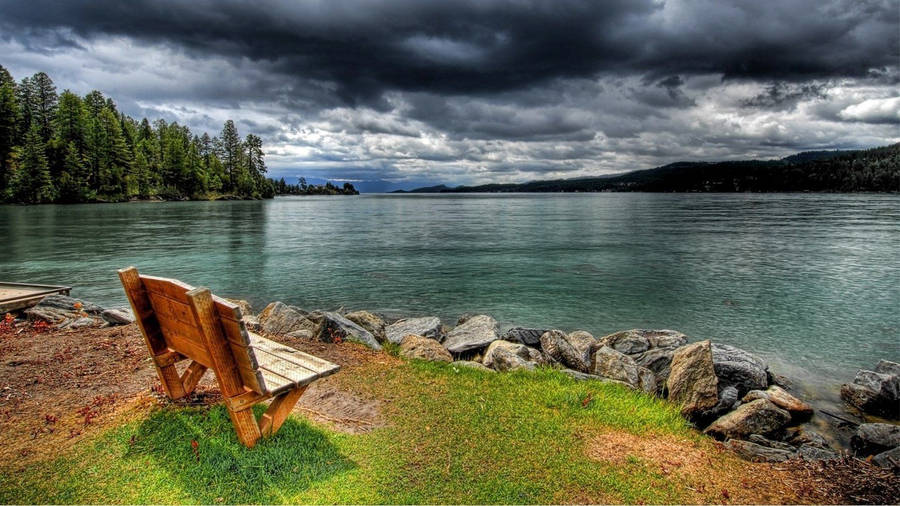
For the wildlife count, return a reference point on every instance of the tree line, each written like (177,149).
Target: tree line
(302,188)
(61,147)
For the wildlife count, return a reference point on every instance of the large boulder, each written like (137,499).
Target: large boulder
(369,321)
(424,348)
(531,337)
(335,326)
(658,360)
(426,326)
(609,363)
(876,392)
(756,452)
(474,333)
(873,438)
(798,409)
(634,341)
(889,459)
(279,318)
(506,356)
(692,382)
(739,368)
(572,351)
(62,308)
(756,417)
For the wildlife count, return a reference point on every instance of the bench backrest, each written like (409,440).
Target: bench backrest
(163,306)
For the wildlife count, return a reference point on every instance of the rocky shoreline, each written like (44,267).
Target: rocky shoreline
(728,393)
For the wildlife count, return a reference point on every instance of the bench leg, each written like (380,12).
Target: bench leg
(279,410)
(192,376)
(171,381)
(245,425)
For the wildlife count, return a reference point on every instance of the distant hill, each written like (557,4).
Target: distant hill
(871,170)
(427,189)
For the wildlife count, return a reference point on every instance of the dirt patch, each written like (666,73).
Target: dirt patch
(849,481)
(706,472)
(58,386)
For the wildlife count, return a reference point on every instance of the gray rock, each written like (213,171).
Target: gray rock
(424,348)
(756,417)
(872,438)
(473,365)
(559,348)
(889,459)
(728,400)
(758,453)
(79,323)
(300,334)
(802,437)
(875,392)
(531,337)
(507,356)
(798,409)
(251,321)
(66,303)
(117,316)
(692,382)
(580,376)
(778,445)
(245,307)
(584,343)
(810,452)
(335,325)
(658,360)
(369,321)
(427,326)
(888,367)
(609,363)
(634,341)
(279,318)
(473,334)
(739,368)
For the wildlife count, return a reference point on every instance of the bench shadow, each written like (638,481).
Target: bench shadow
(205,460)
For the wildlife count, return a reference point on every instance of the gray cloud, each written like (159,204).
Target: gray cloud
(483,90)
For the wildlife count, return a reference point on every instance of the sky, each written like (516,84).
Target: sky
(417,92)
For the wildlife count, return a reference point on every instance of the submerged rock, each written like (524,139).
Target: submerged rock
(507,356)
(336,326)
(692,381)
(474,333)
(424,348)
(739,368)
(369,321)
(756,417)
(531,337)
(426,326)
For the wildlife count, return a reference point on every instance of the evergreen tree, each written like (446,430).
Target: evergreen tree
(72,179)
(9,118)
(231,154)
(45,101)
(31,182)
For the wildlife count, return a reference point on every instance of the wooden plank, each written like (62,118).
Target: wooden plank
(236,332)
(167,287)
(227,309)
(192,376)
(168,357)
(278,411)
(245,400)
(188,348)
(248,368)
(167,307)
(150,329)
(298,375)
(275,383)
(323,367)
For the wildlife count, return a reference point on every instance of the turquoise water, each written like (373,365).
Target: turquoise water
(811,282)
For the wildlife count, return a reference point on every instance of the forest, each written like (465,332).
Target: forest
(870,170)
(302,188)
(65,148)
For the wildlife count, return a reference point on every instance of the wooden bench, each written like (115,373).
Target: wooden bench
(180,322)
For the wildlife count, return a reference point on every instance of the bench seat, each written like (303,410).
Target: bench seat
(284,368)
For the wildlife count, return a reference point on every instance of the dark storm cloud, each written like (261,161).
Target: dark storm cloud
(787,95)
(482,46)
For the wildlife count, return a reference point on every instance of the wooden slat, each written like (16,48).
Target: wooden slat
(227,309)
(192,376)
(188,348)
(236,332)
(168,357)
(323,367)
(275,383)
(245,400)
(167,307)
(299,375)
(171,288)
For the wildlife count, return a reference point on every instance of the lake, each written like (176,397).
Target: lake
(811,282)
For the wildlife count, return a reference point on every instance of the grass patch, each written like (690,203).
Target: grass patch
(455,435)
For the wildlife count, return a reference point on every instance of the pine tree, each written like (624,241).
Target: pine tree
(231,154)
(72,184)
(9,118)
(45,102)
(32,183)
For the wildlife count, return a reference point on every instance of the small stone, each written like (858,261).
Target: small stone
(615,365)
(279,318)
(873,438)
(739,368)
(781,398)
(423,348)
(300,334)
(117,316)
(336,326)
(889,459)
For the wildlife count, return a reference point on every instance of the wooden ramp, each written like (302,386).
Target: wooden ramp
(21,295)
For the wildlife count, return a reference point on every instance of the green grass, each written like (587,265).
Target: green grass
(454,435)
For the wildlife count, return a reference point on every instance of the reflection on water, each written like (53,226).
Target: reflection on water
(808,281)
